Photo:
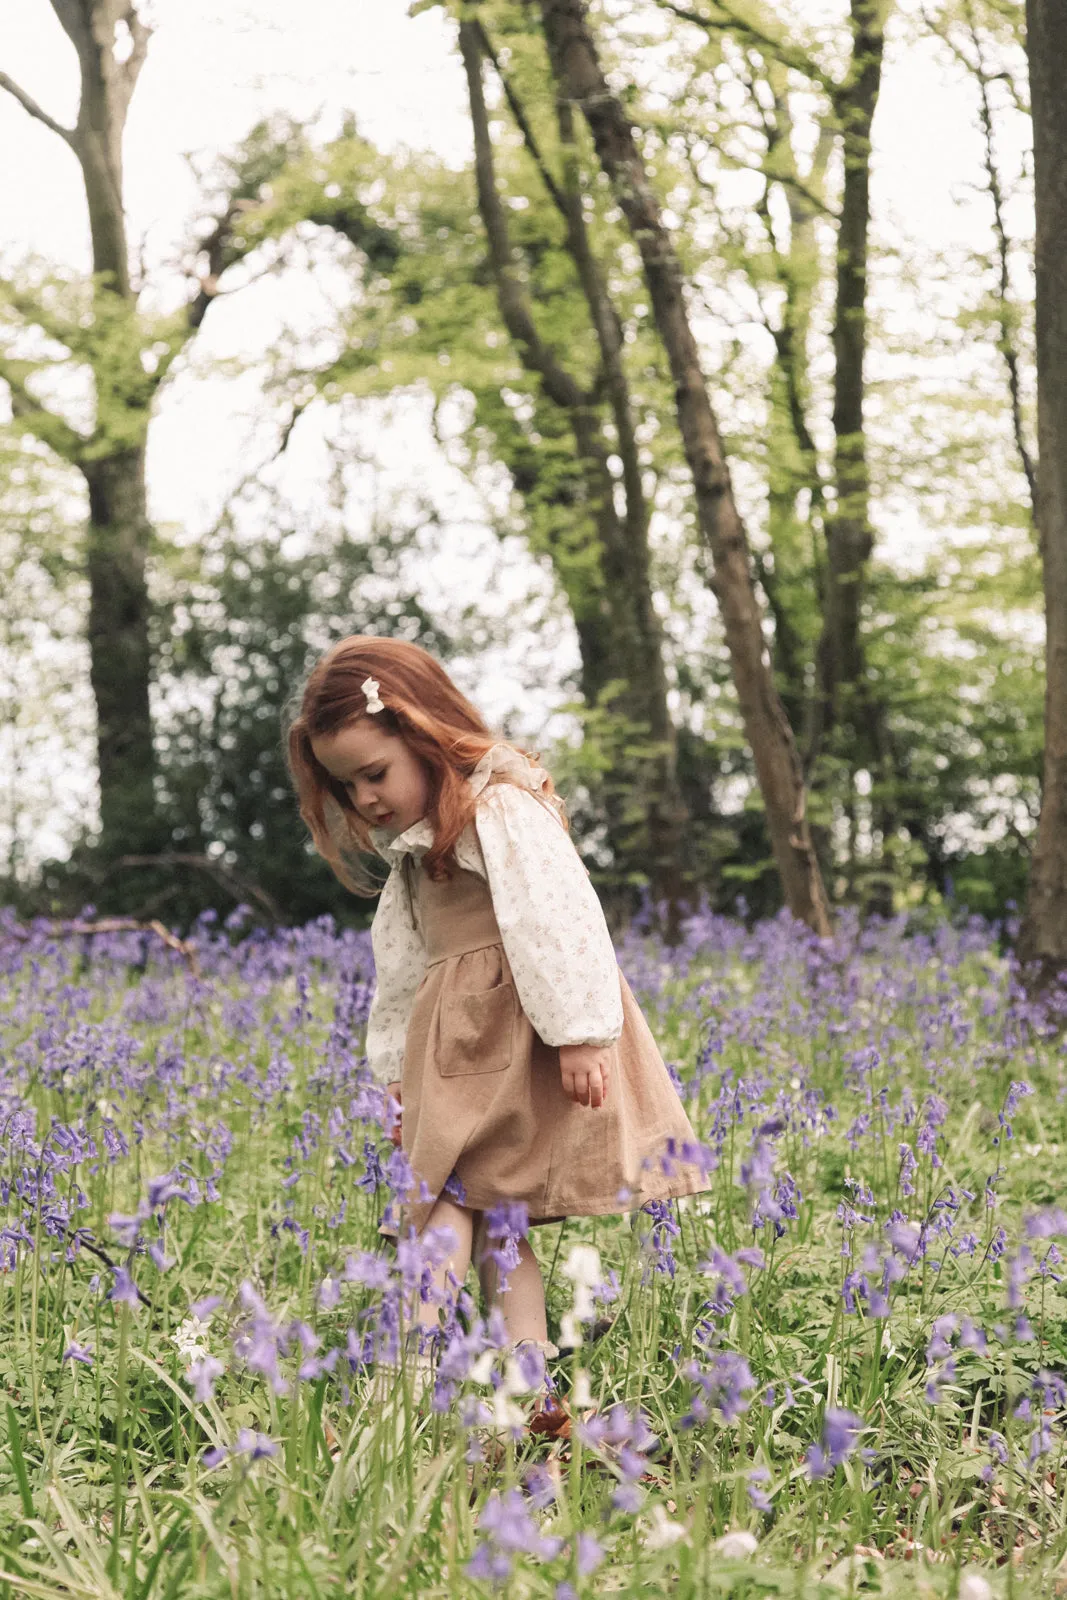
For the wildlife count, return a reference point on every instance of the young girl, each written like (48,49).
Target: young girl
(501,1022)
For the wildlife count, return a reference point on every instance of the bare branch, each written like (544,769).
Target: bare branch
(1008,347)
(976,68)
(729,22)
(28,103)
(522,121)
(218,247)
(140,33)
(512,295)
(234,882)
(788,180)
(186,948)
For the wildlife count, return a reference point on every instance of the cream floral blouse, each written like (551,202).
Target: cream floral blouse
(551,922)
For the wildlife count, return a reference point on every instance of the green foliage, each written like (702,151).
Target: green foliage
(236,637)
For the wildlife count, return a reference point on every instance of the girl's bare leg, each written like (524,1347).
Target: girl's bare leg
(446,1214)
(522,1303)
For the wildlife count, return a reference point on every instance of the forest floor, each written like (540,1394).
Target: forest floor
(841,1370)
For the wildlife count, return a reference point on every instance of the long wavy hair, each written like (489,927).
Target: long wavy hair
(424,708)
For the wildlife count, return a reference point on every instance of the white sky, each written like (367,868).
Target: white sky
(213,70)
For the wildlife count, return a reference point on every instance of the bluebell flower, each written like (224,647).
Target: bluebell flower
(757,1495)
(124,1291)
(840,1432)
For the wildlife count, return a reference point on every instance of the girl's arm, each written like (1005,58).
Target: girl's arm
(400,962)
(551,922)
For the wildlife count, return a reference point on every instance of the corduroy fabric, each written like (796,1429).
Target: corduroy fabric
(483,1097)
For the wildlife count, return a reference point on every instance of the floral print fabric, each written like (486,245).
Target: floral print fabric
(551,923)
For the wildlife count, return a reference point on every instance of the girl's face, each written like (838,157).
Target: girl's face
(385,780)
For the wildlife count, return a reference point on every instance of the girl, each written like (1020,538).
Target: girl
(501,1022)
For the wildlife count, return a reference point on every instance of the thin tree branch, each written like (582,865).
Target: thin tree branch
(84,1240)
(141,34)
(788,180)
(782,50)
(234,882)
(186,948)
(523,124)
(1007,333)
(976,69)
(28,103)
(514,301)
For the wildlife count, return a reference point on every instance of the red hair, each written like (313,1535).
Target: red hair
(425,709)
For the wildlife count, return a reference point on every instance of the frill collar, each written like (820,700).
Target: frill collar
(499,758)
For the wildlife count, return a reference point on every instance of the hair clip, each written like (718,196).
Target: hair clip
(370,687)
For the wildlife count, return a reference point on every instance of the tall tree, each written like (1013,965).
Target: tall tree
(100,326)
(578,70)
(618,629)
(519,318)
(849,539)
(111,41)
(826,686)
(1043,936)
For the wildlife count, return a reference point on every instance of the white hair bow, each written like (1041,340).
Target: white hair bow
(370,687)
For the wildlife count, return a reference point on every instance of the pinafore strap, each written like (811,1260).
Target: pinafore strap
(456,915)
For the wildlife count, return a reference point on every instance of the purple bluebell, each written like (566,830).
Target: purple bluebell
(726,1385)
(507,1529)
(1018,1090)
(124,1290)
(203,1375)
(757,1495)
(840,1431)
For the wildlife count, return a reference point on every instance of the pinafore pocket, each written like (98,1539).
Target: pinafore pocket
(477,1026)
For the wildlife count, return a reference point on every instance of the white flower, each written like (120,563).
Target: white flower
(514,1382)
(974,1587)
(482,1369)
(506,1413)
(189,1339)
(370,687)
(663,1531)
(569,1332)
(582,1267)
(581,1390)
(738,1542)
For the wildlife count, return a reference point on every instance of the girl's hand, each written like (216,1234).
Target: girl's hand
(395,1132)
(586,1073)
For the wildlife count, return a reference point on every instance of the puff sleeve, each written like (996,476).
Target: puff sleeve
(551,922)
(400,962)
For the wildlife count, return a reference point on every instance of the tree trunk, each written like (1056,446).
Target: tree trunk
(113,466)
(111,43)
(849,541)
(578,71)
(1043,936)
(120,665)
(619,633)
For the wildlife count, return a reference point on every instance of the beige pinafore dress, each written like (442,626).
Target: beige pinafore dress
(483,1099)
